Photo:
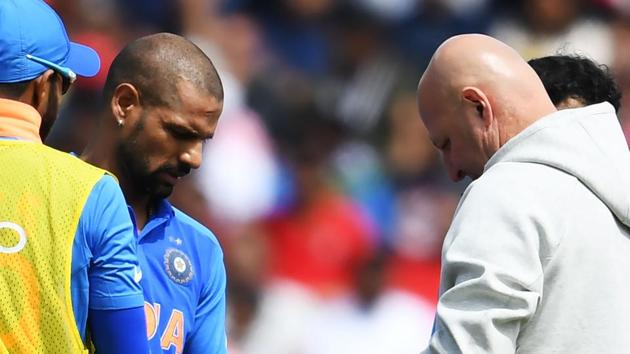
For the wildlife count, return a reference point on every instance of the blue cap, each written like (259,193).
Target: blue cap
(31,27)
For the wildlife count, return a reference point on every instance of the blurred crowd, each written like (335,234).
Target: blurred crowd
(321,183)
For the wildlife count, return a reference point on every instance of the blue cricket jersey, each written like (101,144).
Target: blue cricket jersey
(183,278)
(102,243)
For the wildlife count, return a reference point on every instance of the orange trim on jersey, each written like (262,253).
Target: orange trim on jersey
(19,120)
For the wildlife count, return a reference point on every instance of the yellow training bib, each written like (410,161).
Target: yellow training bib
(42,194)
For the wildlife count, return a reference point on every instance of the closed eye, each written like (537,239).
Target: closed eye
(445,145)
(181,133)
(206,139)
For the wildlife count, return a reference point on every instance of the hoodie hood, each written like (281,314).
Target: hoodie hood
(587,143)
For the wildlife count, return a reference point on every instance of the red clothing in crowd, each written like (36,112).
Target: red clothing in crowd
(320,246)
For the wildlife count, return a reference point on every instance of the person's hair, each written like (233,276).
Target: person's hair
(13,90)
(570,76)
(155,64)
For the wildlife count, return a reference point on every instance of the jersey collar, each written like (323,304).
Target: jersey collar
(162,214)
(19,120)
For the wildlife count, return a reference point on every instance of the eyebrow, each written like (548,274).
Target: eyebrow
(189,130)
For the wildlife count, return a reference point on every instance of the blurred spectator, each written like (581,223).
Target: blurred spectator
(424,201)
(146,16)
(313,243)
(389,10)
(83,103)
(419,34)
(358,168)
(77,119)
(246,259)
(373,319)
(295,30)
(365,71)
(242,309)
(318,239)
(283,320)
(541,27)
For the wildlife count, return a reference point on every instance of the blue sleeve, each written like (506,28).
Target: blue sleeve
(110,237)
(208,336)
(119,331)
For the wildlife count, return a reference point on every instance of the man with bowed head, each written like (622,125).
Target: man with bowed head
(164,98)
(544,226)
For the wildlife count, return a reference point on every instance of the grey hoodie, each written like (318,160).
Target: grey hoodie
(537,259)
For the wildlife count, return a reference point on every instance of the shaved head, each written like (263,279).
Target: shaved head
(155,64)
(474,96)
(486,63)
(165,98)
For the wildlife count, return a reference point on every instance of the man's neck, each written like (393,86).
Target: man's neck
(138,200)
(19,120)
(143,207)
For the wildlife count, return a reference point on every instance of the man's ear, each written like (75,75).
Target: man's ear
(42,88)
(479,102)
(125,101)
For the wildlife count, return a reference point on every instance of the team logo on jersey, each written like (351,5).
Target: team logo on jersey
(178,266)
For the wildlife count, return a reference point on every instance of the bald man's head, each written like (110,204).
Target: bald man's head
(155,64)
(474,96)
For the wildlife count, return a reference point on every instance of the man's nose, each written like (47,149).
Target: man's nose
(454,173)
(193,156)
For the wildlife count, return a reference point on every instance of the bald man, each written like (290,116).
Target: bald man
(164,100)
(536,258)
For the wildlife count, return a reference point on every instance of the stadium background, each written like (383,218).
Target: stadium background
(321,184)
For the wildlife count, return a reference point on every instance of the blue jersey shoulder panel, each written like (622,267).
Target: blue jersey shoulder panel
(104,241)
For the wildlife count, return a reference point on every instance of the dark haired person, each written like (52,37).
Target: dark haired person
(573,81)
(164,100)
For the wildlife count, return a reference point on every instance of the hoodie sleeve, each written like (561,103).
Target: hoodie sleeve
(492,274)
